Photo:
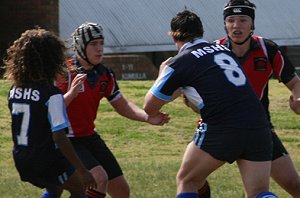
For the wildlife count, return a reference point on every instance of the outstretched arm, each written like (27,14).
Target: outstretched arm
(152,104)
(133,112)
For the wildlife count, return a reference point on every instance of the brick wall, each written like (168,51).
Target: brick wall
(19,15)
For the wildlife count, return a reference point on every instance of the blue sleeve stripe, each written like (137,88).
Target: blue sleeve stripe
(163,77)
(160,82)
(155,91)
(59,127)
(201,105)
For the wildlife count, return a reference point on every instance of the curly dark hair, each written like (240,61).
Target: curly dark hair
(186,26)
(36,57)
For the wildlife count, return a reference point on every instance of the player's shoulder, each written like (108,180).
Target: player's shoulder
(221,41)
(271,47)
(181,58)
(265,41)
(104,70)
(271,44)
(48,90)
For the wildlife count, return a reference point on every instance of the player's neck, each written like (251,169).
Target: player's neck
(240,50)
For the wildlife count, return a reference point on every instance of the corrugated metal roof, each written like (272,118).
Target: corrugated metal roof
(142,25)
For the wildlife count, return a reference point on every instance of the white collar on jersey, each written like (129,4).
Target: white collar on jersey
(189,44)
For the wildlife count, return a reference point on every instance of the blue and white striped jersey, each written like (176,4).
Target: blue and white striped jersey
(36,113)
(212,79)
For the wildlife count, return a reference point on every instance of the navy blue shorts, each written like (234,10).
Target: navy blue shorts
(93,151)
(46,171)
(278,148)
(227,144)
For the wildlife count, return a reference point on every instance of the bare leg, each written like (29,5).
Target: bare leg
(196,166)
(255,176)
(101,178)
(74,186)
(288,179)
(118,188)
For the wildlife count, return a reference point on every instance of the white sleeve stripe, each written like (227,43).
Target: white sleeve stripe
(57,114)
(263,45)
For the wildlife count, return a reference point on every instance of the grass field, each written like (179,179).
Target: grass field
(150,155)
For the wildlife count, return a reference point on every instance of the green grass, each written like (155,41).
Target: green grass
(151,155)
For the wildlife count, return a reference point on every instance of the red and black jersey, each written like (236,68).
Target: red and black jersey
(82,111)
(263,61)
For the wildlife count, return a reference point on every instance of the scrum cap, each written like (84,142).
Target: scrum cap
(84,34)
(238,7)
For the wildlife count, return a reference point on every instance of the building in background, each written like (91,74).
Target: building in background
(136,31)
(19,15)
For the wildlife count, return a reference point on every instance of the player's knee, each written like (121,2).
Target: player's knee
(183,179)
(266,195)
(180,177)
(100,175)
(119,187)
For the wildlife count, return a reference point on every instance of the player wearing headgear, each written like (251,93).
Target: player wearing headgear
(261,58)
(240,8)
(83,35)
(228,107)
(87,83)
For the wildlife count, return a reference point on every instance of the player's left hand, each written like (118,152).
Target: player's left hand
(295,104)
(159,119)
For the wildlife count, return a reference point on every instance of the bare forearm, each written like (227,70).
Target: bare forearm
(296,90)
(294,86)
(151,104)
(133,112)
(69,96)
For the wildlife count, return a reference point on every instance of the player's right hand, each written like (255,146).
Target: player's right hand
(88,180)
(77,84)
(295,104)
